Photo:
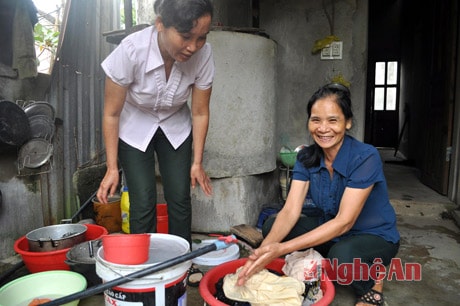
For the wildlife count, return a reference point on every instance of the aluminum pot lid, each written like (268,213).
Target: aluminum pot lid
(84,252)
(41,126)
(35,153)
(39,108)
(14,124)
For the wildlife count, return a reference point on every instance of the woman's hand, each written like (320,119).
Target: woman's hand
(108,186)
(258,260)
(197,174)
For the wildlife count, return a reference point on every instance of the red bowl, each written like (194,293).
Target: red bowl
(53,260)
(208,289)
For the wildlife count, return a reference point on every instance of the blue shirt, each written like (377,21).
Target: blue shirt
(357,165)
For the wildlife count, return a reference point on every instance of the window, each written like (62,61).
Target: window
(386,86)
(46,32)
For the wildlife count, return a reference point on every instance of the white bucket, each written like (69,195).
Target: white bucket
(165,287)
(214,258)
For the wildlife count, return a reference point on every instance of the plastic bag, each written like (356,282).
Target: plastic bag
(306,266)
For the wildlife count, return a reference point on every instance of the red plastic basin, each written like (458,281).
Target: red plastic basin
(208,290)
(54,260)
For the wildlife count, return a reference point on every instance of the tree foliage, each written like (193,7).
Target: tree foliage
(46,38)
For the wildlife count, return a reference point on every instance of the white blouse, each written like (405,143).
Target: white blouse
(151,102)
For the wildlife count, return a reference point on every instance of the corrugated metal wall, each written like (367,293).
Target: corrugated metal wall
(77,92)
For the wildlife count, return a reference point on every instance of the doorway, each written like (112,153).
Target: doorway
(425,48)
(383,85)
(384,104)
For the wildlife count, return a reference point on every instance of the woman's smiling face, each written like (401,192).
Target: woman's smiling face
(327,123)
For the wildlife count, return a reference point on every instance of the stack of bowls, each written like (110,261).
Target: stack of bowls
(38,150)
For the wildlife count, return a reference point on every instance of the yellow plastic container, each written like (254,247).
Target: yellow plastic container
(124,206)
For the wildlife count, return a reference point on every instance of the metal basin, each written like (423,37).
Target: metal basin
(56,237)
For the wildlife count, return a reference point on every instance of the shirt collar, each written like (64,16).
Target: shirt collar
(341,160)
(154,59)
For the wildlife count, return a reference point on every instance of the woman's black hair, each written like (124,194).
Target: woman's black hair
(182,14)
(311,156)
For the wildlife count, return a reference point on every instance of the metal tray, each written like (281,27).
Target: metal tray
(35,153)
(41,126)
(40,108)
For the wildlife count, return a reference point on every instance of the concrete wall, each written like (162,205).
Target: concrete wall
(22,195)
(232,13)
(21,207)
(295,26)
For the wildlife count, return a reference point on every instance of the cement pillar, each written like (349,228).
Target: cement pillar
(240,152)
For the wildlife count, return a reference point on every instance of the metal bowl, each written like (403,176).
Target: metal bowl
(56,237)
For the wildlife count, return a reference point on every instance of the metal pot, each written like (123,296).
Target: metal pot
(81,258)
(56,237)
(14,124)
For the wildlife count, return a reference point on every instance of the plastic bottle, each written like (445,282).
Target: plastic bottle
(124,206)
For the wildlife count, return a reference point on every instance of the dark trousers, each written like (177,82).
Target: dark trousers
(365,247)
(139,170)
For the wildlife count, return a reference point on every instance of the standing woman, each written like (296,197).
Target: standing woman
(150,77)
(344,178)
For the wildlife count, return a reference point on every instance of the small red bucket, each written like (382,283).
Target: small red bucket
(162,218)
(126,249)
(208,282)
